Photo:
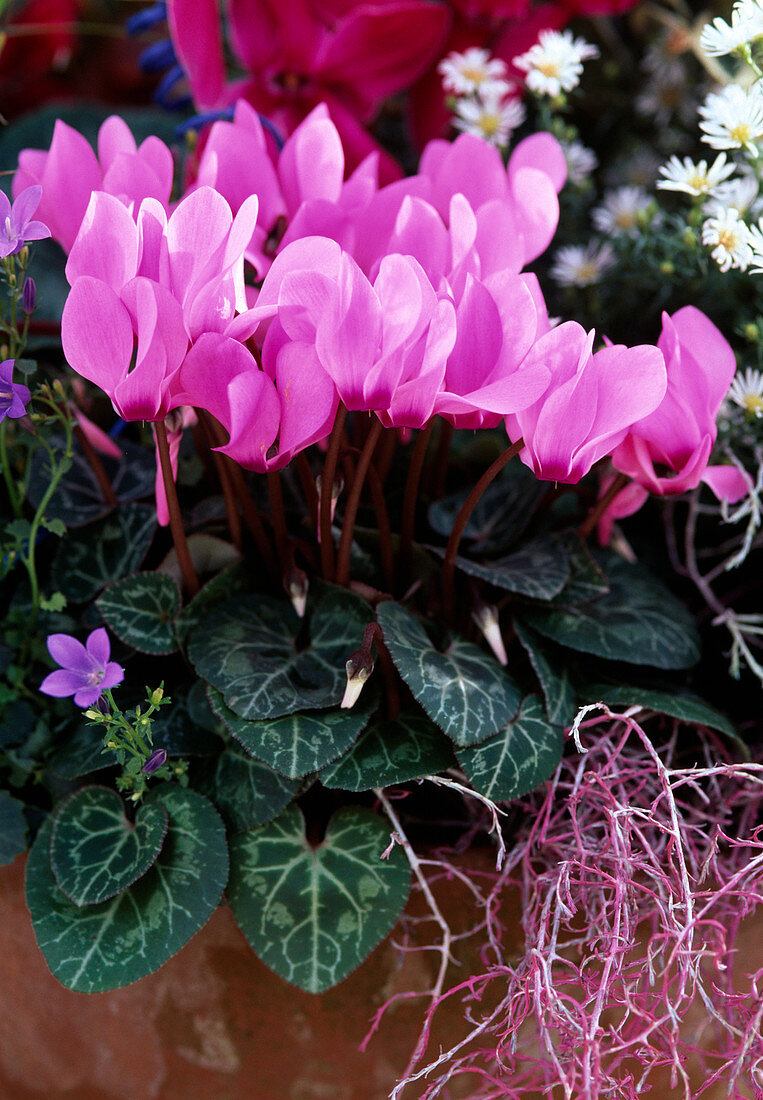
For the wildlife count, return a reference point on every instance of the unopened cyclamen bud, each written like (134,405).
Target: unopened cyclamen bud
(486,618)
(296,585)
(358,671)
(28,295)
(155,761)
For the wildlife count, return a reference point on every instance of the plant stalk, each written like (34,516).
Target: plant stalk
(459,526)
(353,502)
(190,580)
(327,485)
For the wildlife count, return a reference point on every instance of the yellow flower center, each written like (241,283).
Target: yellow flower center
(548,68)
(475,75)
(587,272)
(625,219)
(753,404)
(741,133)
(489,125)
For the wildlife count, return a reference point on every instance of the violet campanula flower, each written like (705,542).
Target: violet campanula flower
(16,224)
(14,396)
(86,671)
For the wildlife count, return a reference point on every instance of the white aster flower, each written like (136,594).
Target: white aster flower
(473,72)
(719,38)
(555,63)
(694,179)
(581,161)
(618,214)
(742,192)
(582,265)
(730,238)
(746,391)
(733,118)
(491,118)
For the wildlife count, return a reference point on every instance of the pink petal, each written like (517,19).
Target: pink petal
(311,164)
(727,482)
(196,35)
(61,683)
(71,175)
(68,652)
(96,333)
(114,138)
(107,243)
(308,400)
(543,152)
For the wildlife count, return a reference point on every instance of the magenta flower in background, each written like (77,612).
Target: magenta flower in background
(16,224)
(70,171)
(681,431)
(86,671)
(590,404)
(14,396)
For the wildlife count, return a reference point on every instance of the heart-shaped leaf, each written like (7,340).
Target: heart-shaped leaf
(560,696)
(297,744)
(539,570)
(217,591)
(104,551)
(314,914)
(141,609)
(464,690)
(681,705)
(639,620)
(248,792)
(391,751)
(518,758)
(78,498)
(249,652)
(502,512)
(105,946)
(95,852)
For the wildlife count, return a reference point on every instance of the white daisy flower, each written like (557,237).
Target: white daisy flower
(742,192)
(582,265)
(473,72)
(555,63)
(733,118)
(719,38)
(694,179)
(491,118)
(581,162)
(730,238)
(746,391)
(618,215)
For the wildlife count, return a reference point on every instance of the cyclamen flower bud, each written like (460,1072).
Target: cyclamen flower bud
(155,761)
(28,295)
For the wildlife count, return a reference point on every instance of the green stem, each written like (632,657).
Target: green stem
(353,502)
(459,526)
(7,472)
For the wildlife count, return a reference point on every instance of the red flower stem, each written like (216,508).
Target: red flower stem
(386,551)
(353,502)
(437,473)
(308,486)
(90,453)
(190,580)
(385,453)
(459,526)
(231,510)
(410,497)
(593,517)
(283,548)
(247,505)
(327,485)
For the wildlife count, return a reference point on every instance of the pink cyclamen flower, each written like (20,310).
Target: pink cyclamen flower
(70,171)
(86,671)
(16,224)
(14,396)
(679,434)
(591,402)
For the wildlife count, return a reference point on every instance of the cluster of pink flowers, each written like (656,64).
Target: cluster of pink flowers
(408,300)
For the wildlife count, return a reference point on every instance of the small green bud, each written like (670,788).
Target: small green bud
(667,267)
(157,696)
(752,332)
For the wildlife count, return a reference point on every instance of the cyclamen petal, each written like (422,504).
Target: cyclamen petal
(107,245)
(96,333)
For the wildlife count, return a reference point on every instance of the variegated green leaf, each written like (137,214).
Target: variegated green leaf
(105,946)
(313,914)
(518,758)
(391,751)
(96,851)
(141,609)
(463,689)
